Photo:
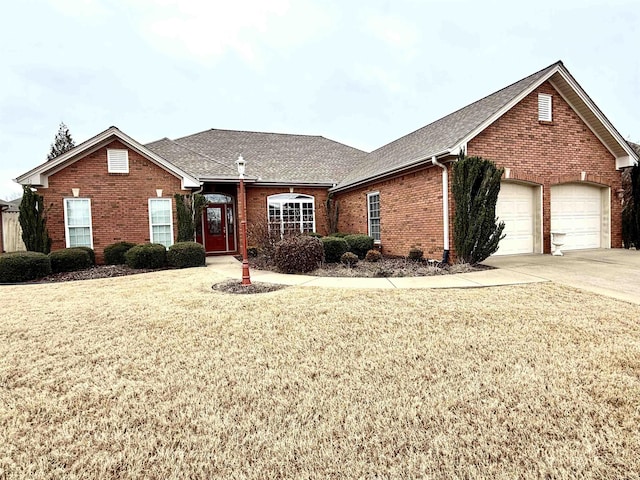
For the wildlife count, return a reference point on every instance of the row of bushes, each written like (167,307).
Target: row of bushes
(24,266)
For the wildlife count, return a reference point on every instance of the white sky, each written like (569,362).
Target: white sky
(361,72)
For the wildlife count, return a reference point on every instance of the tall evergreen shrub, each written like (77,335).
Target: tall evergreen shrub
(32,220)
(476,184)
(631,209)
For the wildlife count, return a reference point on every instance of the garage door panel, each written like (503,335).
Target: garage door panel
(577,211)
(515,208)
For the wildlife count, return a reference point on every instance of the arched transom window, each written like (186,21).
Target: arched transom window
(291,213)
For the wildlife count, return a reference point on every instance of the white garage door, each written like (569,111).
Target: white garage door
(577,211)
(515,208)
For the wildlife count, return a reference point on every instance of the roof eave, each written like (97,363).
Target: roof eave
(426,160)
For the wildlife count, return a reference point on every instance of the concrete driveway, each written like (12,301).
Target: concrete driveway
(611,272)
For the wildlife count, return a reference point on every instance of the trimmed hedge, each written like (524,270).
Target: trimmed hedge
(69,260)
(114,253)
(299,254)
(92,254)
(147,255)
(186,254)
(23,266)
(339,234)
(334,248)
(359,244)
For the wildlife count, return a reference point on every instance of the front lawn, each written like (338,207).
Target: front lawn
(159,376)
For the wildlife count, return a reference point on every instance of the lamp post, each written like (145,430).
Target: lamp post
(246,278)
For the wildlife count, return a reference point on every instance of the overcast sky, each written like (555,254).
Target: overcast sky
(360,72)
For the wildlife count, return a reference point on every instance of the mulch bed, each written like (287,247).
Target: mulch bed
(235,286)
(99,271)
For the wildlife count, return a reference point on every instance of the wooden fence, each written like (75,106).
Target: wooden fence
(12,232)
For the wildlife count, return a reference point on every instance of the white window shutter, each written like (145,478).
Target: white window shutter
(544,108)
(118,161)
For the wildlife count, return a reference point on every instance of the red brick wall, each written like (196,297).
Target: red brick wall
(119,202)
(550,153)
(257,204)
(410,212)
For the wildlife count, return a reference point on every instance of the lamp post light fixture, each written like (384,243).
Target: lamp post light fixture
(246,278)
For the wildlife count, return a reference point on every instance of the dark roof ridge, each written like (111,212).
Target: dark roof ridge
(203,155)
(250,131)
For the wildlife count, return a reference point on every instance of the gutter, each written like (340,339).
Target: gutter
(445,207)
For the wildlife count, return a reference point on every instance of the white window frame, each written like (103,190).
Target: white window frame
(282,199)
(66,221)
(117,160)
(369,217)
(170,224)
(545,107)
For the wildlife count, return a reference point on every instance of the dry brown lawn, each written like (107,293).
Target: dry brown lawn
(159,376)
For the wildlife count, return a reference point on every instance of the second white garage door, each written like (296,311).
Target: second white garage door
(515,208)
(576,210)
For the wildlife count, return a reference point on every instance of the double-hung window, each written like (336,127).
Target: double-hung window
(77,222)
(161,221)
(291,213)
(373,215)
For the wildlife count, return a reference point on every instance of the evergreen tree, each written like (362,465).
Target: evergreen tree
(476,184)
(62,143)
(33,223)
(631,209)
(189,209)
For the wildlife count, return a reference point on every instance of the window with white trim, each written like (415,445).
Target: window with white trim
(77,222)
(291,213)
(373,215)
(117,161)
(544,108)
(161,221)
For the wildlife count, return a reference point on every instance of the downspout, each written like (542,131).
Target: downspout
(445,207)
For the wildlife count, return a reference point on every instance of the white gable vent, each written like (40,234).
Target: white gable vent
(117,161)
(544,107)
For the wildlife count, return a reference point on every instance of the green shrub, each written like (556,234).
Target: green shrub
(373,256)
(23,266)
(416,253)
(349,259)
(334,248)
(69,260)
(186,254)
(314,234)
(114,253)
(90,252)
(147,255)
(252,251)
(359,244)
(299,254)
(339,234)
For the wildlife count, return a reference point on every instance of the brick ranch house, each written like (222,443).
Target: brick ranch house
(562,157)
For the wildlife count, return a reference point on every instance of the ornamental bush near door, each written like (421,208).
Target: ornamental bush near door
(186,254)
(299,254)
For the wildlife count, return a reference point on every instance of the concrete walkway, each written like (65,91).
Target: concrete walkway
(611,272)
(230,267)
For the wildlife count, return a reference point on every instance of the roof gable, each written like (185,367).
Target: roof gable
(450,134)
(39,175)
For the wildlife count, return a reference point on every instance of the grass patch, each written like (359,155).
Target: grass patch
(159,376)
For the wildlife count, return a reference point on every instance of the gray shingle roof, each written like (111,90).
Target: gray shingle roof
(438,136)
(271,157)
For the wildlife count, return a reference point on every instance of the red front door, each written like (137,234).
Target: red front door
(219,228)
